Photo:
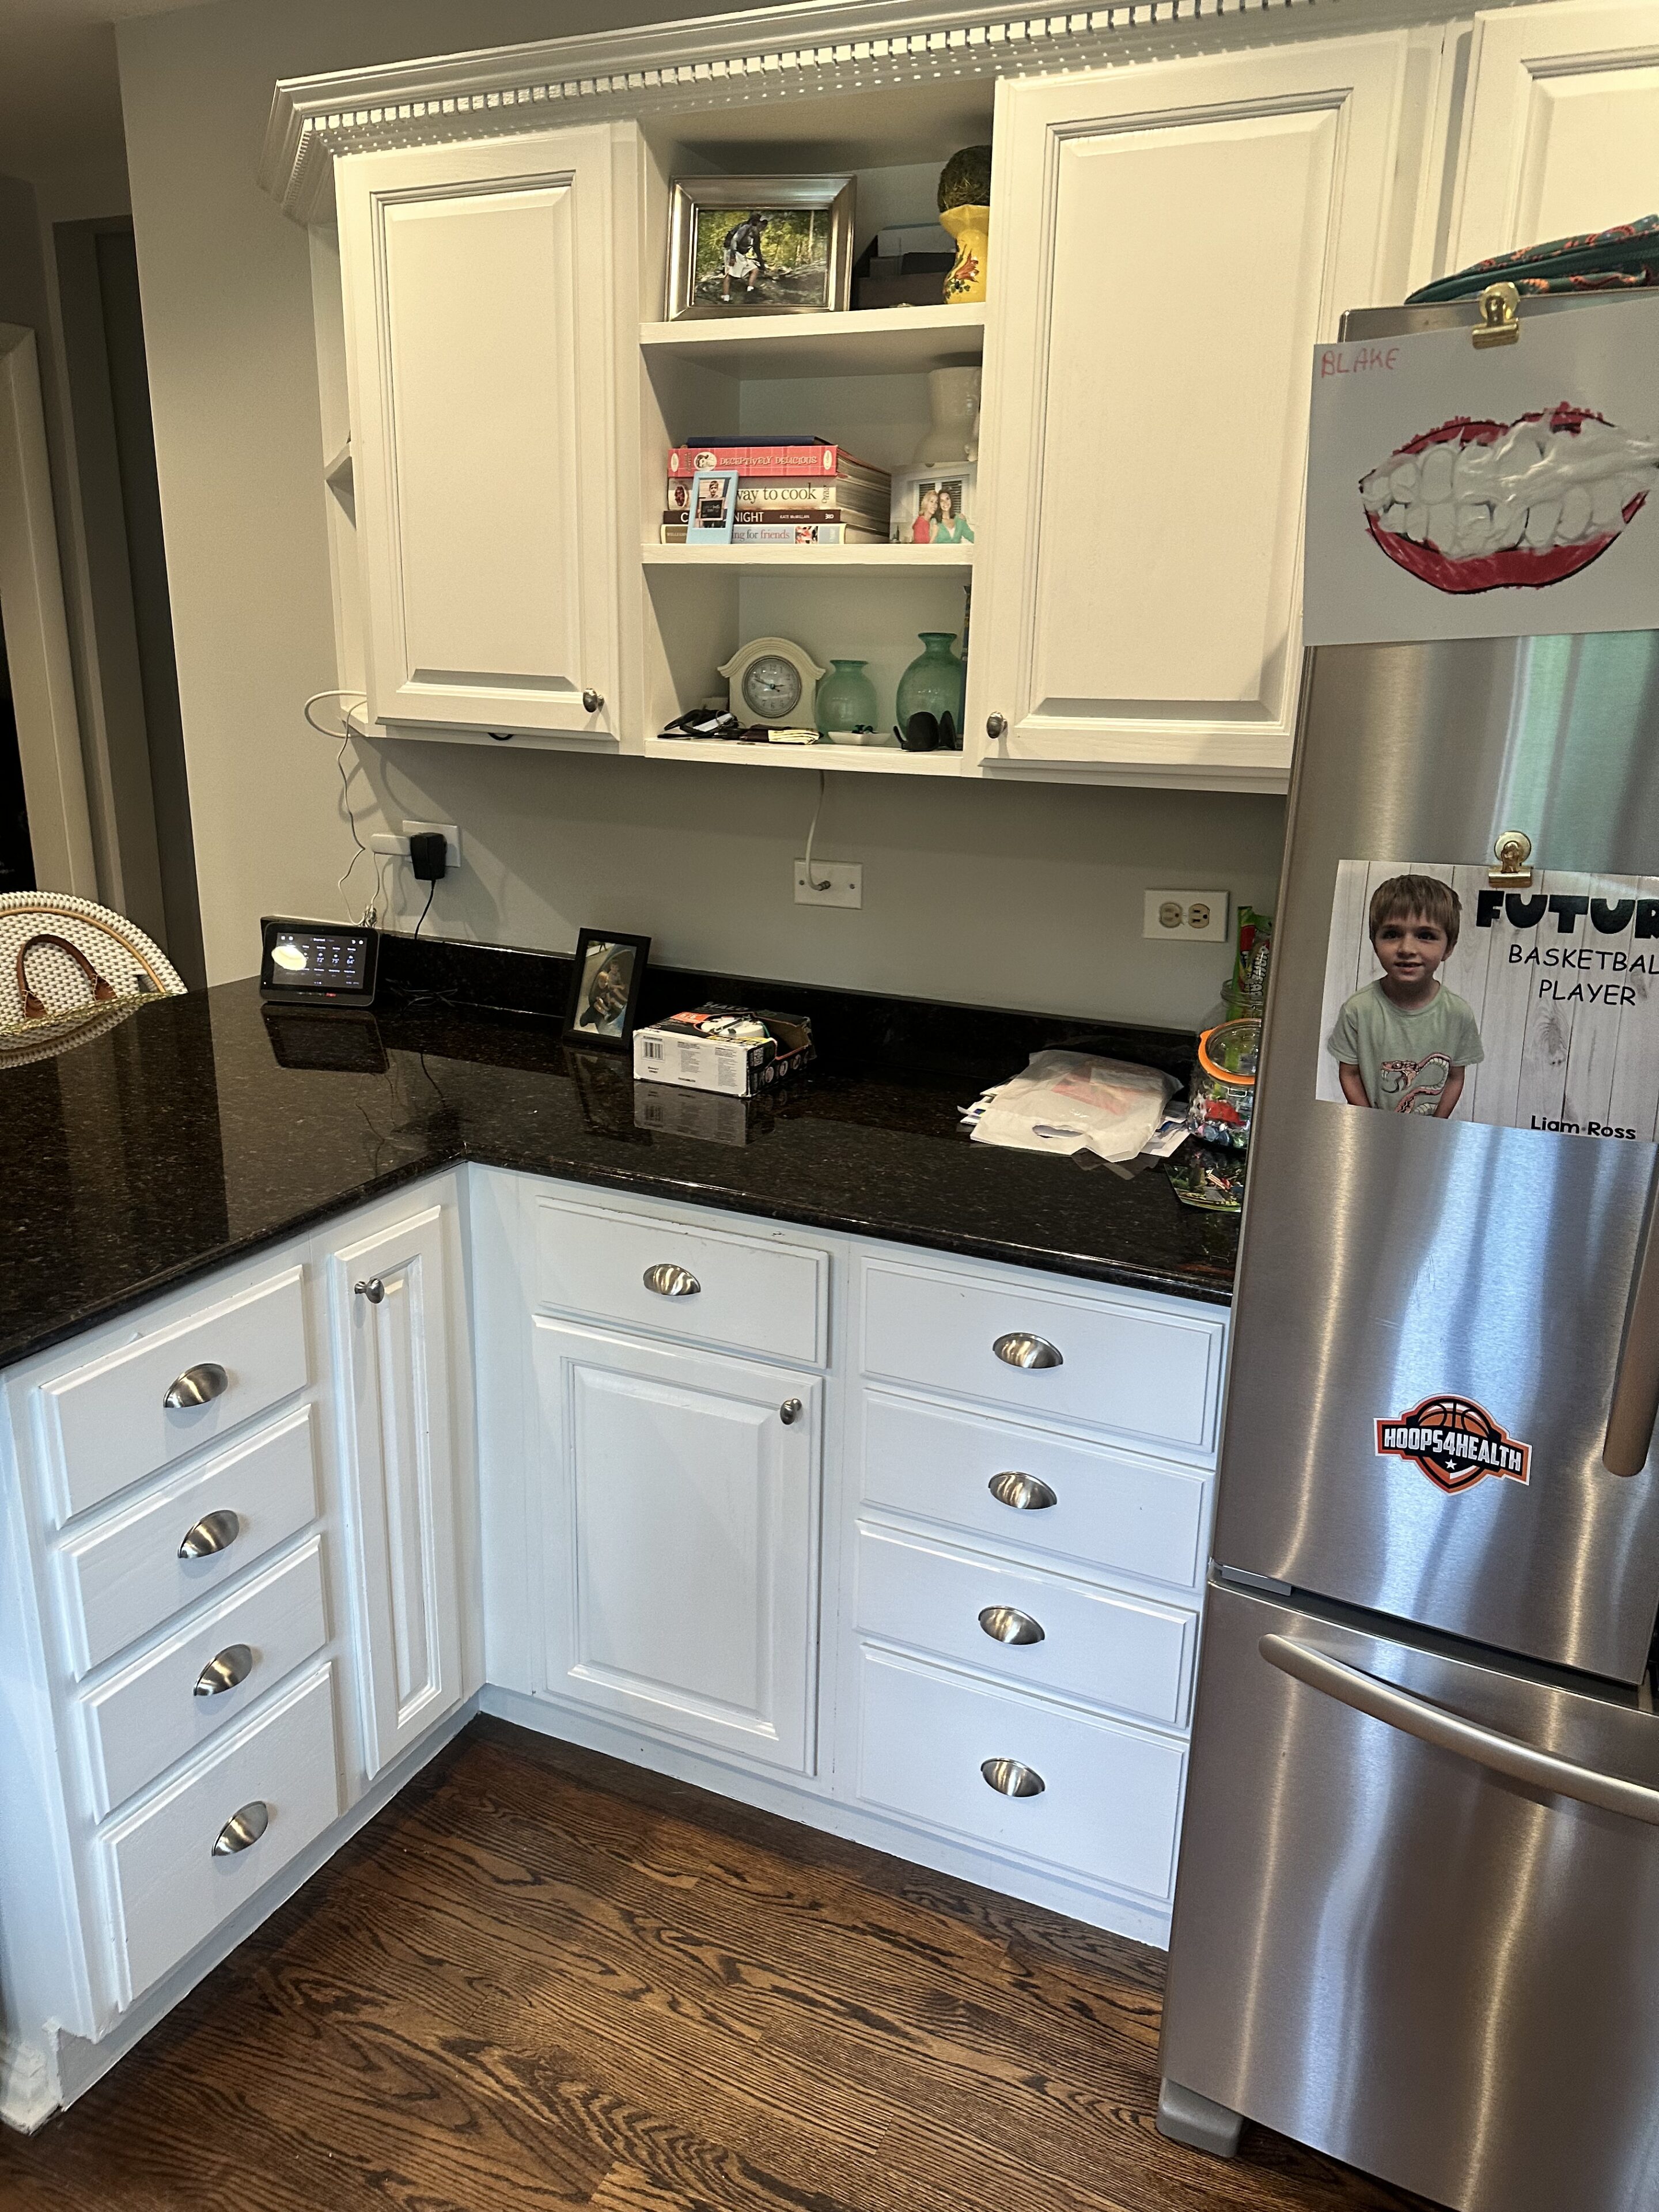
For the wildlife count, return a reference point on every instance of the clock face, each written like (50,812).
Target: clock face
(771,686)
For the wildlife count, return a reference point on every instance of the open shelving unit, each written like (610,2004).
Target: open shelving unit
(793,560)
(867,342)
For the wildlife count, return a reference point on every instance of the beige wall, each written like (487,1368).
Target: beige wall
(1025,896)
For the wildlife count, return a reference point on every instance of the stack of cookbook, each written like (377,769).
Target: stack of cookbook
(791,491)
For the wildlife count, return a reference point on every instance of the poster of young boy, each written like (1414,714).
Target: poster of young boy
(1529,1008)
(1508,492)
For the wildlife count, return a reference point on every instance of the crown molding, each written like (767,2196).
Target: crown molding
(723,60)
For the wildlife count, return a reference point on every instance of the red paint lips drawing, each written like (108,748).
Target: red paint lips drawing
(1473,506)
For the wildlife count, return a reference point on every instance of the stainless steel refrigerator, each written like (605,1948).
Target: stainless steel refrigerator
(1416,1920)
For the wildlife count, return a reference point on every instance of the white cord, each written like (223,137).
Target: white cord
(812,884)
(371,912)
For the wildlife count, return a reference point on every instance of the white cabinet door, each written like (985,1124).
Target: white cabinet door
(397,1449)
(679,1512)
(480,301)
(1168,245)
(1562,131)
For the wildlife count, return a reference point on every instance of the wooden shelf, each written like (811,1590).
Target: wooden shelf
(867,760)
(866,342)
(768,560)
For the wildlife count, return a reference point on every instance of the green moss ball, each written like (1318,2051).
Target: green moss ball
(965,180)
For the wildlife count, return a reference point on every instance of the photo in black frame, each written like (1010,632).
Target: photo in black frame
(606,979)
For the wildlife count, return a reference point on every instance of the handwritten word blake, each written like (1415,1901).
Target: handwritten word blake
(1354,360)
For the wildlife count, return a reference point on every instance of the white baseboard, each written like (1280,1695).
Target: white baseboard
(36,2079)
(808,1803)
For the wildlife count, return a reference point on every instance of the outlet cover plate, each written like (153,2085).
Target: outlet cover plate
(844,877)
(1187,917)
(387,840)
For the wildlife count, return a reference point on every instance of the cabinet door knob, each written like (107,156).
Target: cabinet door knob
(1013,1779)
(669,1281)
(197,1385)
(593,700)
(245,1827)
(224,1671)
(213,1532)
(996,726)
(1009,1627)
(374,1290)
(1023,1491)
(790,1412)
(1019,1350)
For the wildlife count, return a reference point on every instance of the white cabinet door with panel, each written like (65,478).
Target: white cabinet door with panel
(679,1511)
(480,294)
(1563,130)
(1175,239)
(398,1303)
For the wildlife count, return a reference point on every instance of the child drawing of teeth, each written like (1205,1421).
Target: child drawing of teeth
(1472,506)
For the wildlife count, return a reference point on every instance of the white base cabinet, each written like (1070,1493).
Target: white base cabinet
(764,1509)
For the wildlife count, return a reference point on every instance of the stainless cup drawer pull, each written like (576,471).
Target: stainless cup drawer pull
(213,1532)
(1009,1626)
(1023,1491)
(1013,1779)
(244,1827)
(197,1385)
(1019,1350)
(225,1670)
(669,1281)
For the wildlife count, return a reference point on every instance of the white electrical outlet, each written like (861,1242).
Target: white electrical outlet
(844,880)
(1187,917)
(387,841)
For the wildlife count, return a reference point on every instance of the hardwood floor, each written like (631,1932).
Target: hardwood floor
(541,1978)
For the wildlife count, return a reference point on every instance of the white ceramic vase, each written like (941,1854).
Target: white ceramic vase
(953,399)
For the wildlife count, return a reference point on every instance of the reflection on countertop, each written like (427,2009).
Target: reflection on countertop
(208,1124)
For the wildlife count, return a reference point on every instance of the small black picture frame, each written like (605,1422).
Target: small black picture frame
(607,977)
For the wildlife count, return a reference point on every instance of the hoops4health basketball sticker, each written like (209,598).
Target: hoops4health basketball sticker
(1455,1442)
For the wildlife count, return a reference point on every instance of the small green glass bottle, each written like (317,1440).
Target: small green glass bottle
(846,698)
(935,681)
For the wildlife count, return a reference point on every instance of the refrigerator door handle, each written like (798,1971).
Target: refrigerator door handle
(1504,1754)
(1636,1386)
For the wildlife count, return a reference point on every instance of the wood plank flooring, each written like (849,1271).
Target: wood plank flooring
(541,1979)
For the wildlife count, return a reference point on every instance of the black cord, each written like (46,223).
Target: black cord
(426,909)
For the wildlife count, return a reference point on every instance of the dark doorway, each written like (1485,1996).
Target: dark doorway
(16,858)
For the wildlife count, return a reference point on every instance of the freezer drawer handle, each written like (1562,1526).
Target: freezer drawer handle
(1636,1386)
(1504,1754)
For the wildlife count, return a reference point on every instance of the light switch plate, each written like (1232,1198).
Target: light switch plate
(844,879)
(1187,917)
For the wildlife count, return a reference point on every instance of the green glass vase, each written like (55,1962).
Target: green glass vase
(846,698)
(934,682)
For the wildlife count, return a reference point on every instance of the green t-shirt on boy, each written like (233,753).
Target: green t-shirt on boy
(1406,1060)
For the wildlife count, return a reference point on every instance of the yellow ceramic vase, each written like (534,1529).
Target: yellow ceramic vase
(970,227)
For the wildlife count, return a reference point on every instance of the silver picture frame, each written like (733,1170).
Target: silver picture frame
(697,207)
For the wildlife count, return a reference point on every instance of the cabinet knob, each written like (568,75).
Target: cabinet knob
(374,1290)
(669,1281)
(790,1412)
(223,1672)
(1013,1779)
(1023,1491)
(1019,1350)
(197,1385)
(593,700)
(245,1827)
(996,726)
(1009,1627)
(213,1532)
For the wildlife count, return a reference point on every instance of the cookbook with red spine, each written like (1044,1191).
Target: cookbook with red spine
(770,461)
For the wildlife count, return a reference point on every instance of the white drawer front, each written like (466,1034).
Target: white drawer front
(1111,1510)
(126,1577)
(751,1294)
(170,1890)
(1110,1806)
(107,1424)
(1097,1644)
(1149,1372)
(152,1713)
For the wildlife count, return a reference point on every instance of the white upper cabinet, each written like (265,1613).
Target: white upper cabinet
(481,289)
(1563,125)
(1170,242)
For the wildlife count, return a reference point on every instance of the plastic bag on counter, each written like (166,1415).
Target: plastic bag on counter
(1075,1101)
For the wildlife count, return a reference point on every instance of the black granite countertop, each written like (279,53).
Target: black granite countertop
(206,1125)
